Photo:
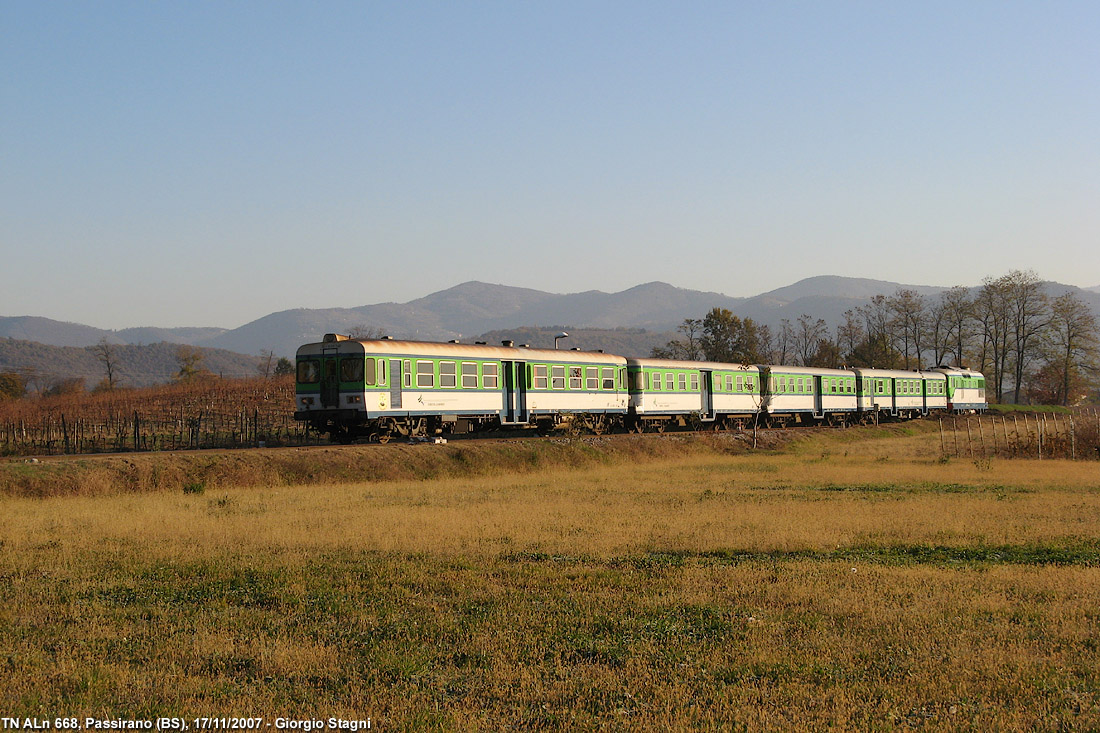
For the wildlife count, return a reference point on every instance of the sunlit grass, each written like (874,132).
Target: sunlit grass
(857,582)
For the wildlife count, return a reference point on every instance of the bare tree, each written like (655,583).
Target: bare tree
(267,361)
(1070,341)
(1029,312)
(687,348)
(105,352)
(907,324)
(808,336)
(958,321)
(785,342)
(992,309)
(363,332)
(876,349)
(849,335)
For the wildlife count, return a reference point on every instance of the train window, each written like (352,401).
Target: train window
(591,378)
(447,374)
(655,380)
(408,373)
(489,375)
(639,380)
(425,374)
(609,378)
(694,382)
(351,370)
(538,376)
(469,375)
(557,377)
(574,377)
(670,381)
(309,371)
(739,382)
(382,371)
(372,372)
(681,382)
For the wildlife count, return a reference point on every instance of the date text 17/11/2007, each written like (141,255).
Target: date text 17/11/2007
(300,725)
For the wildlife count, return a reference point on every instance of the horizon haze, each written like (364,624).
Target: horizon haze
(171,164)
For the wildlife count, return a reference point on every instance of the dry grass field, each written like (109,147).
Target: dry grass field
(851,580)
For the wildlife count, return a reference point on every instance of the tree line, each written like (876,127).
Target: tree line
(115,360)
(1032,347)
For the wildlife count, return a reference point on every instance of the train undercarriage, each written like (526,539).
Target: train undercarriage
(350,427)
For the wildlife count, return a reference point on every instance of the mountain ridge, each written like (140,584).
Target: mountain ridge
(470,309)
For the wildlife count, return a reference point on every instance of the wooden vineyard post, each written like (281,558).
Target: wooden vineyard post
(969,438)
(955,433)
(943,451)
(1072,438)
(981,433)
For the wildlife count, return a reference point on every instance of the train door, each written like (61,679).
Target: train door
(330,378)
(396,377)
(706,383)
(819,402)
(515,392)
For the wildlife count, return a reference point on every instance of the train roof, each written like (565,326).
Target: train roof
(784,369)
(393,347)
(957,371)
(897,373)
(655,363)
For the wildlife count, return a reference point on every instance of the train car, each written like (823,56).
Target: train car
(900,393)
(965,389)
(807,393)
(667,391)
(377,389)
(935,391)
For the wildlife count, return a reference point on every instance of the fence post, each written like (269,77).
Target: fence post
(969,438)
(1072,438)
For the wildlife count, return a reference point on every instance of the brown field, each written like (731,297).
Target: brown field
(852,579)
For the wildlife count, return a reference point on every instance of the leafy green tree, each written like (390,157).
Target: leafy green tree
(727,338)
(283,367)
(12,386)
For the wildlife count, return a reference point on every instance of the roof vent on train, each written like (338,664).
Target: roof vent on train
(454,341)
(508,342)
(331,338)
(575,348)
(481,343)
(385,338)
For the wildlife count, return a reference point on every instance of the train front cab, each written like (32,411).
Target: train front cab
(965,389)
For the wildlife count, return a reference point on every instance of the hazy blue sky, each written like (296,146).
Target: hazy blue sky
(206,163)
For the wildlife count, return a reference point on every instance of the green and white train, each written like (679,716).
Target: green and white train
(379,389)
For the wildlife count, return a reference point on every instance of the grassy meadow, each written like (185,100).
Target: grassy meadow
(850,579)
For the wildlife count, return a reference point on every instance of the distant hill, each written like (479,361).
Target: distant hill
(473,308)
(137,366)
